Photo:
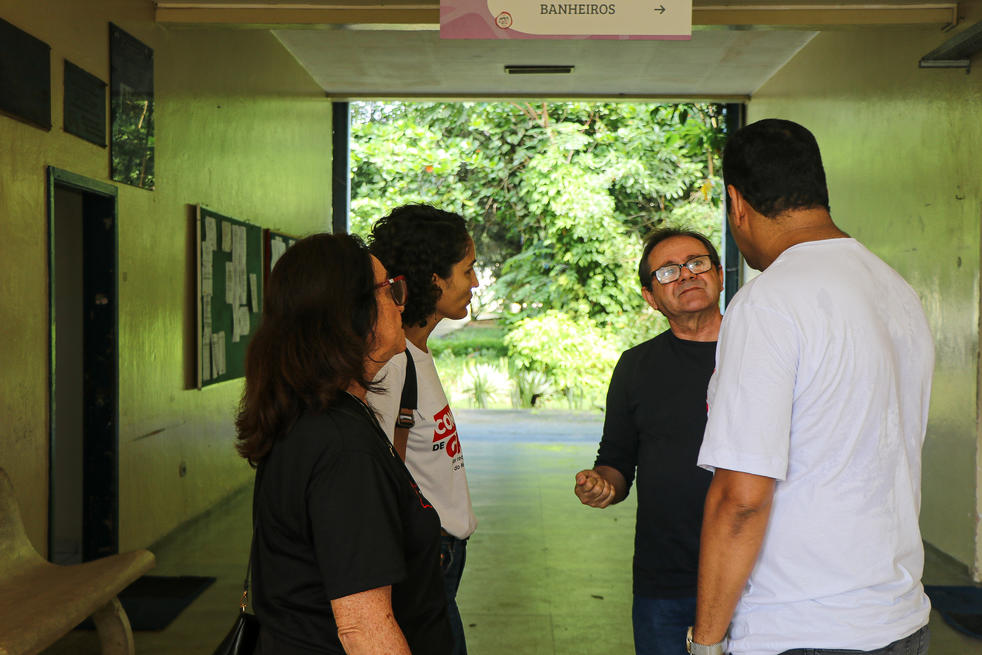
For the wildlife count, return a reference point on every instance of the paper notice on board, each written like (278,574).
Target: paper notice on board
(206,355)
(207,260)
(276,249)
(239,244)
(218,354)
(253,292)
(229,283)
(244,322)
(206,313)
(226,236)
(214,356)
(211,232)
(239,260)
(221,354)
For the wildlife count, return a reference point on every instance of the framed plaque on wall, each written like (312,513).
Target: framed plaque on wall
(25,76)
(85,105)
(131,109)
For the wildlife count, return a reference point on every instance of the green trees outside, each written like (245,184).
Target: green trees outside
(558,197)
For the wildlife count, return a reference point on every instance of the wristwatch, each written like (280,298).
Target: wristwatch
(693,648)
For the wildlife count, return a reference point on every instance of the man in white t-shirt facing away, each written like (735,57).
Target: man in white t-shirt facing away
(432,250)
(817,414)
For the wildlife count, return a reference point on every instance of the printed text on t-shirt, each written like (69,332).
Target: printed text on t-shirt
(445,432)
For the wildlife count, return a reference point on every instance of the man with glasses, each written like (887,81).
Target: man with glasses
(656,413)
(817,414)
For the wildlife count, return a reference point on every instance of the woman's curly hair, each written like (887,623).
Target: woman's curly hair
(418,241)
(317,328)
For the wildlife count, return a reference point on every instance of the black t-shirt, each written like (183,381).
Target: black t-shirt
(656,414)
(337,513)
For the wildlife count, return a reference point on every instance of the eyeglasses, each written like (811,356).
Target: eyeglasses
(397,289)
(671,272)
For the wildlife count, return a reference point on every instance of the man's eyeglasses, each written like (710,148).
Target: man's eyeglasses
(397,288)
(671,272)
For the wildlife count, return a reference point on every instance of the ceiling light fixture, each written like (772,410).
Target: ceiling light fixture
(538,70)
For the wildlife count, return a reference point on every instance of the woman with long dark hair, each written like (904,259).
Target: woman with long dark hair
(432,249)
(346,548)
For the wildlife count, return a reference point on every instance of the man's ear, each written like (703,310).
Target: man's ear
(738,206)
(649,298)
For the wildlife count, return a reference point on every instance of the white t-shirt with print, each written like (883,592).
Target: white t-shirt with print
(433,453)
(823,382)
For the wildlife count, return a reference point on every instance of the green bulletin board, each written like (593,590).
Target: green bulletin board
(230,288)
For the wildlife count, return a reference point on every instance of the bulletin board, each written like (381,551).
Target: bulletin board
(276,245)
(230,294)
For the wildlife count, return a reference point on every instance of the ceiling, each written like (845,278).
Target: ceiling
(718,63)
(392,48)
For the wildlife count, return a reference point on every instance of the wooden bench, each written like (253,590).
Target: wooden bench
(40,601)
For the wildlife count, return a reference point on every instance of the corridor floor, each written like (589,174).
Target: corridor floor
(544,575)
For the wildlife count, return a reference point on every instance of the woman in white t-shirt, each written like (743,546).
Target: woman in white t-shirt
(435,253)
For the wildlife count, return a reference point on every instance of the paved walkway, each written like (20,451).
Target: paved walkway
(545,575)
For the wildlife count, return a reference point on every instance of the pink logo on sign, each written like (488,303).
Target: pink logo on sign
(503,20)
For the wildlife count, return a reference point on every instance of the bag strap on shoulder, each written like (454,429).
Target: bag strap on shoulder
(407,408)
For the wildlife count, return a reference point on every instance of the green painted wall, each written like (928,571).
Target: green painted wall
(901,150)
(240,128)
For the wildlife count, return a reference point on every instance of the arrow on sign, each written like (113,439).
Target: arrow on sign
(661,9)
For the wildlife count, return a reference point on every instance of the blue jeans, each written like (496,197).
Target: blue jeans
(915,644)
(453,554)
(660,624)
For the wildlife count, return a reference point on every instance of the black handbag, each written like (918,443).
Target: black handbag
(243,638)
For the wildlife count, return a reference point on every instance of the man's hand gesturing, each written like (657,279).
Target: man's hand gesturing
(593,489)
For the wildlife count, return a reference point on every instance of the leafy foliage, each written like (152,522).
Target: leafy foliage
(483,383)
(484,342)
(529,386)
(575,355)
(558,195)
(132,152)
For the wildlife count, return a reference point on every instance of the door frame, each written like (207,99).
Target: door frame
(736,117)
(100,509)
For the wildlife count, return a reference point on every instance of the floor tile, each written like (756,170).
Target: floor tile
(544,576)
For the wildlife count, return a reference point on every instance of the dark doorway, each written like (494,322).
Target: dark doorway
(84,398)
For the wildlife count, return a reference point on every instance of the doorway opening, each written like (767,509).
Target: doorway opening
(558,197)
(83,496)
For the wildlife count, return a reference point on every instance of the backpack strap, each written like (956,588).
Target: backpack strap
(407,408)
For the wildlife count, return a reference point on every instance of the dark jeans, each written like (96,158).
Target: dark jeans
(660,624)
(453,554)
(915,644)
